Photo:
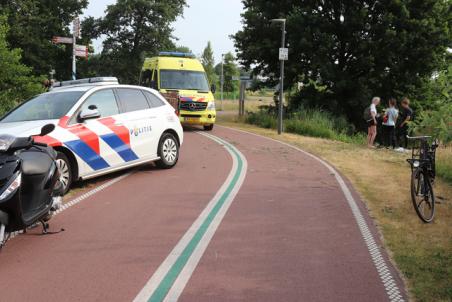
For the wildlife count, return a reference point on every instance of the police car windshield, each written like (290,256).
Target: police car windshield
(183,80)
(48,106)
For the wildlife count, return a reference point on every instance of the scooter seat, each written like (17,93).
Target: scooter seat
(35,163)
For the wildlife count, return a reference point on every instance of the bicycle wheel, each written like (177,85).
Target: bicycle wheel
(422,195)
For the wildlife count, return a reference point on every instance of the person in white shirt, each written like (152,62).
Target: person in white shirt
(389,122)
(372,123)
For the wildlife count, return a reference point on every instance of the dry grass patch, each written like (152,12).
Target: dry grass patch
(423,252)
(252,103)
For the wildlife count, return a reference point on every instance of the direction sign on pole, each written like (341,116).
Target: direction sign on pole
(81,51)
(76,28)
(62,40)
(283,54)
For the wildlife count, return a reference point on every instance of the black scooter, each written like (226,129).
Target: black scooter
(30,190)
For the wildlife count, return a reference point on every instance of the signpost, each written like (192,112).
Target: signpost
(81,51)
(77,50)
(244,80)
(283,56)
(75,33)
(222,79)
(62,40)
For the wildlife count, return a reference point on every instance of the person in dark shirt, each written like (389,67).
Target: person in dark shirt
(406,114)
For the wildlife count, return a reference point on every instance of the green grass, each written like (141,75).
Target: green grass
(227,95)
(312,122)
(444,163)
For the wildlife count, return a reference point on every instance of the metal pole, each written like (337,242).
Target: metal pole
(222,80)
(281,82)
(74,62)
(242,98)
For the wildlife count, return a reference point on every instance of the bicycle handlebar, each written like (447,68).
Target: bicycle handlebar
(418,137)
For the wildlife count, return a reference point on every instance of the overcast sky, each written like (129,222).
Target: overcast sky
(203,20)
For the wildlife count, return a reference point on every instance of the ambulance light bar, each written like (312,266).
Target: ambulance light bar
(176,54)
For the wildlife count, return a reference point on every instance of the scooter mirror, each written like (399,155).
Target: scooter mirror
(47,129)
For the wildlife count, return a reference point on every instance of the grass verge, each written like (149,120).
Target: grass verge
(252,104)
(310,122)
(444,163)
(422,252)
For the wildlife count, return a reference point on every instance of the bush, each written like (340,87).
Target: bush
(437,123)
(261,119)
(311,122)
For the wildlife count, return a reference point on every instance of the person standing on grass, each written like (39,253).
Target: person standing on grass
(389,122)
(372,122)
(406,115)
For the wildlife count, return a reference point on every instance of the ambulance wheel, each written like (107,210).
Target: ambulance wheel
(64,166)
(208,127)
(168,151)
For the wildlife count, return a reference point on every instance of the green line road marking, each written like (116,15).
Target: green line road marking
(169,279)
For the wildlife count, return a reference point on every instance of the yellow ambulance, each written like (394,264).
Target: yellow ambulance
(182,73)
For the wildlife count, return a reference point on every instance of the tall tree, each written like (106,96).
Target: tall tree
(133,28)
(230,70)
(16,81)
(208,61)
(32,25)
(181,48)
(346,51)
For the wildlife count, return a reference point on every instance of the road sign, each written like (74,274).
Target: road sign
(62,40)
(283,54)
(81,51)
(235,78)
(76,28)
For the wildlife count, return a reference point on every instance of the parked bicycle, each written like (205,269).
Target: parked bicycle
(423,174)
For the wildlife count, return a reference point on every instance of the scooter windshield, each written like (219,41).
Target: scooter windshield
(6,141)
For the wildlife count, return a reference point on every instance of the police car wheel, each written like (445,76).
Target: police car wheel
(64,167)
(208,127)
(168,151)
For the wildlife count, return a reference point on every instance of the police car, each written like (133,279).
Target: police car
(101,127)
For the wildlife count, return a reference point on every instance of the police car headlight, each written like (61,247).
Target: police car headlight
(12,187)
(211,106)
(5,142)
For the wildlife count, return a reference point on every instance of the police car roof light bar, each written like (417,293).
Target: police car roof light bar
(111,80)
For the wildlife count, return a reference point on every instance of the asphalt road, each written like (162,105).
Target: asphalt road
(240,218)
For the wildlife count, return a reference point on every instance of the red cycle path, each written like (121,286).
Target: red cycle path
(114,240)
(288,236)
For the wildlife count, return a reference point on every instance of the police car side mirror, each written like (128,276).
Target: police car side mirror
(213,88)
(89,113)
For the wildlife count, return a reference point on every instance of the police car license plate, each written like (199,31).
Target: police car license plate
(191,119)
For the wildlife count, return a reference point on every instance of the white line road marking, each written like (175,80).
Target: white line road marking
(82,197)
(179,284)
(391,287)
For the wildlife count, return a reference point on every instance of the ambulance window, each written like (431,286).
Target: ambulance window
(154,100)
(105,102)
(132,99)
